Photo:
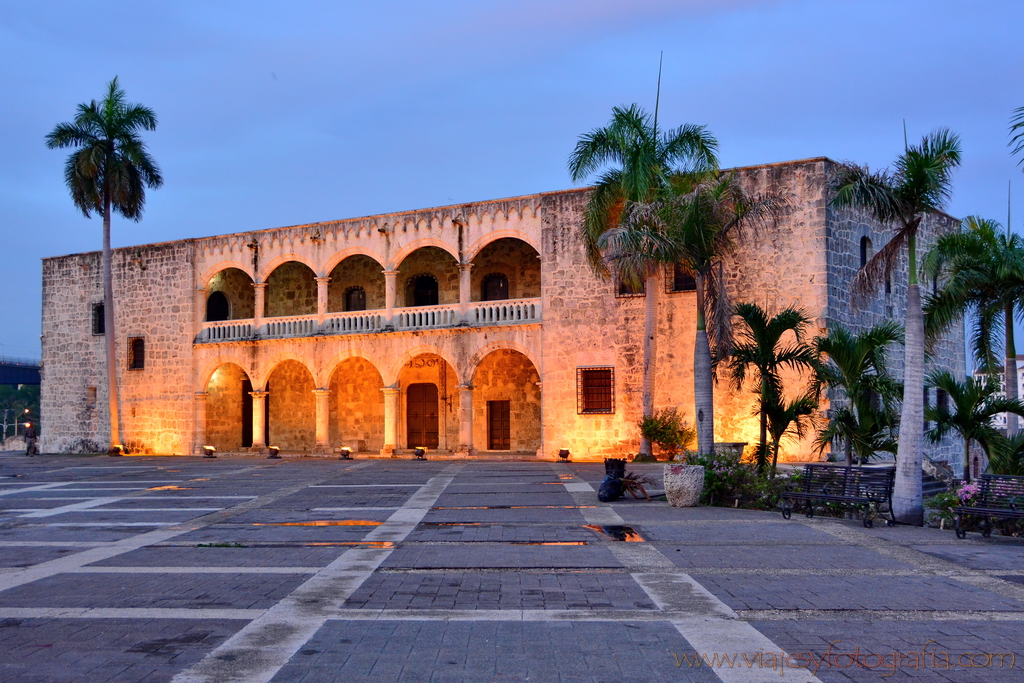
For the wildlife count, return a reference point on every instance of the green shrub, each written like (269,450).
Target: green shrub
(731,482)
(668,431)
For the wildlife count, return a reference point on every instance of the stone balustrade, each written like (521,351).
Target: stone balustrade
(480,314)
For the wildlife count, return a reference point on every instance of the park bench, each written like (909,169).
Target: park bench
(1001,497)
(868,489)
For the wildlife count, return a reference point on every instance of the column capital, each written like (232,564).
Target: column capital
(322,393)
(465,387)
(390,391)
(259,395)
(325,279)
(202,395)
(465,266)
(259,285)
(202,290)
(389,273)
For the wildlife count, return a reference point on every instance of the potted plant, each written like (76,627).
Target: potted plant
(684,483)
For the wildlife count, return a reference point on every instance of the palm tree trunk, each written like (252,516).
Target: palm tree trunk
(762,444)
(650,332)
(967,461)
(1010,368)
(907,494)
(703,387)
(110,337)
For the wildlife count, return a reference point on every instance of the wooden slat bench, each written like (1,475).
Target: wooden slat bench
(866,488)
(1001,497)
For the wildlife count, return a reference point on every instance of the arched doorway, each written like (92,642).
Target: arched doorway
(507,268)
(357,406)
(429,403)
(229,409)
(291,290)
(428,276)
(357,284)
(506,403)
(231,296)
(291,407)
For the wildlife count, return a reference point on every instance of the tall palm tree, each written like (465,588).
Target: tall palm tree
(762,354)
(109,171)
(857,365)
(972,406)
(982,271)
(919,184)
(643,159)
(696,224)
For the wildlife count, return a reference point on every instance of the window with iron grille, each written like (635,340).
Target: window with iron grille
(136,353)
(595,390)
(625,288)
(98,322)
(679,279)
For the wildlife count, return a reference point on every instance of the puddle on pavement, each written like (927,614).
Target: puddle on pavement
(616,532)
(451,523)
(199,479)
(323,522)
(170,488)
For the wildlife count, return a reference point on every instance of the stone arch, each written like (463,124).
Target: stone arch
(395,370)
(224,265)
(329,368)
(435,262)
(270,266)
(506,401)
(226,385)
(514,258)
(404,252)
(291,406)
(355,404)
(211,367)
(340,256)
(291,290)
(476,358)
(496,235)
(268,367)
(356,270)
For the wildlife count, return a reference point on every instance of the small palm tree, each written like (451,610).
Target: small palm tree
(793,419)
(919,185)
(982,271)
(972,406)
(108,171)
(762,354)
(1006,455)
(643,160)
(696,225)
(857,365)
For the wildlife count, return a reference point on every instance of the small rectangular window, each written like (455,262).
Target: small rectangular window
(941,400)
(595,390)
(624,288)
(136,353)
(98,321)
(679,279)
(90,397)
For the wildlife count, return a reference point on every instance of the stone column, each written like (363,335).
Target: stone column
(540,449)
(466,420)
(259,428)
(200,424)
(390,420)
(321,299)
(390,295)
(261,290)
(464,291)
(323,414)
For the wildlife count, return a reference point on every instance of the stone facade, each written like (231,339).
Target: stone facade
(333,377)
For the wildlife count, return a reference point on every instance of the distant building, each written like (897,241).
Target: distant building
(1000,420)
(471,328)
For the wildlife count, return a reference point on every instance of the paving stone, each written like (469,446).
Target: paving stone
(298,556)
(761,556)
(497,555)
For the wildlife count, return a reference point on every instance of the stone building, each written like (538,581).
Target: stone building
(475,328)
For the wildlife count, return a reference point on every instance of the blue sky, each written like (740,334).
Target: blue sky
(283,113)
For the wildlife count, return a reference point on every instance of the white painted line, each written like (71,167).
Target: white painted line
(41,487)
(75,507)
(195,570)
(152,509)
(350,509)
(578,486)
(364,486)
(55,544)
(257,652)
(106,524)
(126,613)
(120,488)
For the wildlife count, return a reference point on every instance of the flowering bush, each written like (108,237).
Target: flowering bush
(967,493)
(731,482)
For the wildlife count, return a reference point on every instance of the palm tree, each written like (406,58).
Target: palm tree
(982,270)
(857,364)
(1006,455)
(974,404)
(644,159)
(762,354)
(108,171)
(920,184)
(695,224)
(794,418)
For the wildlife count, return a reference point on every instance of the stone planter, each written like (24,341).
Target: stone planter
(683,485)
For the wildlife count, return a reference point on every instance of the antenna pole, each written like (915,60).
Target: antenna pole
(905,144)
(657,97)
(1009,183)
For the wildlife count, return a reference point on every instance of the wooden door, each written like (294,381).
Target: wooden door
(421,415)
(499,430)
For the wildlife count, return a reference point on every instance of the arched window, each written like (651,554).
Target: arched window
(355,299)
(421,290)
(495,287)
(865,250)
(217,307)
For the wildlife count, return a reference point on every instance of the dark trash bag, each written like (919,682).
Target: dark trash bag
(611,489)
(615,467)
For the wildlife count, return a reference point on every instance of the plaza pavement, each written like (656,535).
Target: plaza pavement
(192,570)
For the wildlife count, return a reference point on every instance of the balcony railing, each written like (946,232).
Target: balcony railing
(480,314)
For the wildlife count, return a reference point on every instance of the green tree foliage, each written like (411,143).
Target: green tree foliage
(857,365)
(919,184)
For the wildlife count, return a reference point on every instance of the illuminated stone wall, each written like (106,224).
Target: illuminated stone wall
(236,286)
(292,408)
(508,376)
(224,408)
(357,406)
(516,260)
(358,270)
(291,290)
(435,262)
